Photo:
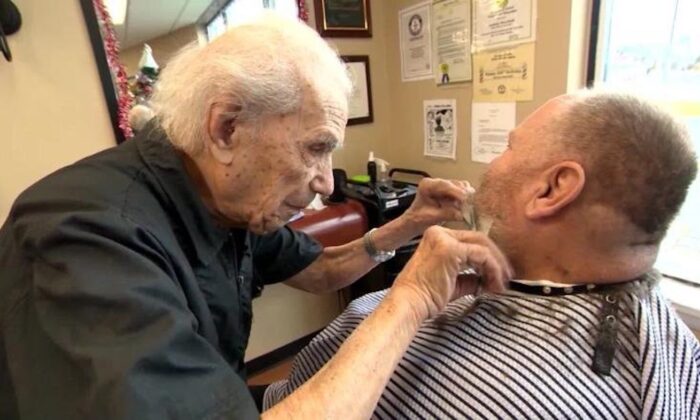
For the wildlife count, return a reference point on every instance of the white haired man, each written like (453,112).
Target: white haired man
(127,277)
(580,201)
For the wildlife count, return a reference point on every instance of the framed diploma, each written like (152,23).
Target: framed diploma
(343,18)
(360,103)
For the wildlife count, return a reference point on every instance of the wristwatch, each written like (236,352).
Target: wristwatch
(374,253)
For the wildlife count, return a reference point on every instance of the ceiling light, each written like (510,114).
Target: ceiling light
(117,10)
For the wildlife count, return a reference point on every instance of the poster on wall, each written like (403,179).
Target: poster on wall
(452,41)
(415,43)
(503,23)
(505,75)
(439,119)
(491,124)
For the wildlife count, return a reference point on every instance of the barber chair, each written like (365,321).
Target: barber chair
(337,224)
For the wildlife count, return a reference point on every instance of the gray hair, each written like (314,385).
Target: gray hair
(262,68)
(637,157)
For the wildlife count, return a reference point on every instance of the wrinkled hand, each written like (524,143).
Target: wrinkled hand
(437,201)
(431,277)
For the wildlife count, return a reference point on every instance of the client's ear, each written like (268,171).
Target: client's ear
(221,124)
(556,188)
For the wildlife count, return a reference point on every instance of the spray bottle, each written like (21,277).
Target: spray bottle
(380,169)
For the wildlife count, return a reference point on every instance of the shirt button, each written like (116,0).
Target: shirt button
(240,279)
(547,290)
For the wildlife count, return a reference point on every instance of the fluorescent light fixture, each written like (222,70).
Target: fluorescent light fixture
(117,10)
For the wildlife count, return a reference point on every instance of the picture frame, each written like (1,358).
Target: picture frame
(360,103)
(343,18)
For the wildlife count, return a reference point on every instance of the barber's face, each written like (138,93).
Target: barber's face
(281,164)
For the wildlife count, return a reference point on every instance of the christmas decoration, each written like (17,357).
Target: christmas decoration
(111,46)
(145,78)
(303,11)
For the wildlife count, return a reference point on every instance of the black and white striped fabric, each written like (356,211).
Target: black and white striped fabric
(526,356)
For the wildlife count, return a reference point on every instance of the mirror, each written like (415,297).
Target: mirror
(133,40)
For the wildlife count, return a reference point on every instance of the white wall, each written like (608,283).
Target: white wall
(52,109)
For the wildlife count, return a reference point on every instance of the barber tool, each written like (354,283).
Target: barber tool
(471,218)
(473,222)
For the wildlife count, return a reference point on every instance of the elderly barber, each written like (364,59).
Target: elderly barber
(127,278)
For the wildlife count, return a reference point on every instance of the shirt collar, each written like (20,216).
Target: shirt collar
(190,216)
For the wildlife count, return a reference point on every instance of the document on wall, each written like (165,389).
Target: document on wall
(359,101)
(452,41)
(505,75)
(491,124)
(415,42)
(503,23)
(439,119)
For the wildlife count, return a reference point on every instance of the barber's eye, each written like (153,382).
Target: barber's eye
(320,148)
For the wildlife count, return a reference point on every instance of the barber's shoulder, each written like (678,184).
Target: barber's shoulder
(97,188)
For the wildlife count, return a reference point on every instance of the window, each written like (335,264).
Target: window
(216,27)
(653,47)
(236,12)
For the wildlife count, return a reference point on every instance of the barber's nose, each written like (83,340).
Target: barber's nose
(323,181)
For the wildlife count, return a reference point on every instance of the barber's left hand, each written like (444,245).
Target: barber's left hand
(437,201)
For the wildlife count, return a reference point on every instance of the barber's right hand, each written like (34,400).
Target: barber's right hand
(431,278)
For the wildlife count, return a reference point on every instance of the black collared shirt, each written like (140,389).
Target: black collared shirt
(121,298)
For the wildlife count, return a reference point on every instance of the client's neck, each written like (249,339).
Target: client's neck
(589,267)
(569,263)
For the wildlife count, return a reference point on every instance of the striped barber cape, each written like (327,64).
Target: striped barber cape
(526,356)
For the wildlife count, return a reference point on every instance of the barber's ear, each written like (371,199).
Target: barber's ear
(557,187)
(221,125)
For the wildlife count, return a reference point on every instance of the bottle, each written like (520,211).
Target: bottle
(372,169)
(383,173)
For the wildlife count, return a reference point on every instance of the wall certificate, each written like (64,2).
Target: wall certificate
(452,41)
(504,75)
(503,23)
(415,43)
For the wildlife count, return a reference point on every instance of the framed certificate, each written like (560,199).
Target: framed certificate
(343,18)
(360,103)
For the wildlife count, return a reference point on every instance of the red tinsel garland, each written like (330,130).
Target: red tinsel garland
(303,11)
(118,72)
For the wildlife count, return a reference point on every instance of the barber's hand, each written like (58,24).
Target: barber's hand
(431,277)
(437,201)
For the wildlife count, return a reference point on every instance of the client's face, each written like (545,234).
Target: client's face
(497,198)
(502,194)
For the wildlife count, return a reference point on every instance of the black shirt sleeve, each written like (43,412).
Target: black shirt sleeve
(102,331)
(282,254)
